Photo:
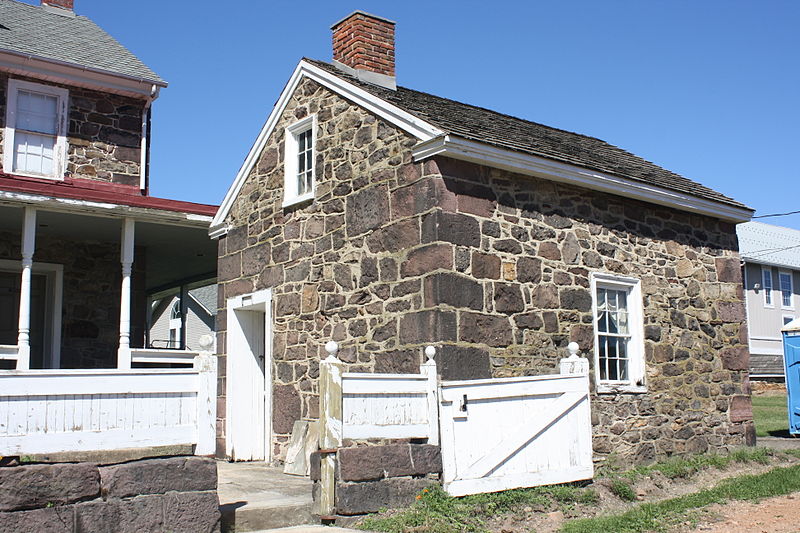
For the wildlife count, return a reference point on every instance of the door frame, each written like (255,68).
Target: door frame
(236,342)
(54,280)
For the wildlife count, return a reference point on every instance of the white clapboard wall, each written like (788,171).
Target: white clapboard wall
(390,406)
(499,434)
(48,411)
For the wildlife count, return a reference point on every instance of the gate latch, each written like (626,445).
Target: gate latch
(463,407)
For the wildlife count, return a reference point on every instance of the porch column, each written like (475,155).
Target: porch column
(126,254)
(28,244)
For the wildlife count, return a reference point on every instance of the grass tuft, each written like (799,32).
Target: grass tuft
(684,467)
(659,516)
(621,488)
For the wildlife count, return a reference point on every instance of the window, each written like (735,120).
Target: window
(299,164)
(766,273)
(35,135)
(618,333)
(787,319)
(785,279)
(175,325)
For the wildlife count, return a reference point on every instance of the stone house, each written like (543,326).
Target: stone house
(82,242)
(386,219)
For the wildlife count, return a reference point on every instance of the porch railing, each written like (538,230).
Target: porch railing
(49,411)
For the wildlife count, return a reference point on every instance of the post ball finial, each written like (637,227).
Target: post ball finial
(332,348)
(430,352)
(573,349)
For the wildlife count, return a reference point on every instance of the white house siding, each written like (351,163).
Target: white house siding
(199,321)
(765,322)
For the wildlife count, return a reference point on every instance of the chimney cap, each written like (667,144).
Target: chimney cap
(364,13)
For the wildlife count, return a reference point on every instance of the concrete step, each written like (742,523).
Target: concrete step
(255,497)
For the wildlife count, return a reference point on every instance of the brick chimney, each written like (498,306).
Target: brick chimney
(63,4)
(363,45)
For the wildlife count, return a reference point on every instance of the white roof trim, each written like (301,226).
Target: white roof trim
(105,209)
(393,114)
(466,150)
(71,74)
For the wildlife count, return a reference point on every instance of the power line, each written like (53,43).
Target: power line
(778,214)
(769,251)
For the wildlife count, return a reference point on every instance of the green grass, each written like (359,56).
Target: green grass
(622,489)
(769,414)
(437,512)
(659,516)
(684,467)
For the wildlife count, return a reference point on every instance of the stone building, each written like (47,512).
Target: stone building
(82,243)
(386,219)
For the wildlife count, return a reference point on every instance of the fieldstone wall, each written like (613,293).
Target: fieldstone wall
(372,477)
(105,132)
(177,494)
(90,298)
(490,266)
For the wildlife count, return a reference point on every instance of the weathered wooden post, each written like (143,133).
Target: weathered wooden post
(206,365)
(574,364)
(330,427)
(428,368)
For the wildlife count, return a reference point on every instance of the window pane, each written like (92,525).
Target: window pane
(37,112)
(767,275)
(613,334)
(786,289)
(34,153)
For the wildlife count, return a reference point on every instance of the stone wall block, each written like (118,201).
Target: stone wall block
(29,487)
(426,459)
(486,266)
(52,520)
(192,512)
(395,237)
(508,298)
(229,267)
(371,496)
(578,299)
(286,408)
(735,358)
(731,311)
(728,269)
(157,476)
(452,289)
(455,228)
(368,463)
(428,327)
(456,362)
(741,409)
(479,328)
(529,269)
(142,513)
(367,209)
(426,259)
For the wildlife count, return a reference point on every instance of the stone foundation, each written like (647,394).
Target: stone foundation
(369,478)
(176,494)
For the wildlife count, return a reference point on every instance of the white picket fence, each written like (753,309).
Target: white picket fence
(495,434)
(49,411)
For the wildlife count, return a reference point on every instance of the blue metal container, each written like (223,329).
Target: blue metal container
(791,361)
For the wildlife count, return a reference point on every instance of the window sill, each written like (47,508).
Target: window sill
(37,176)
(607,388)
(288,202)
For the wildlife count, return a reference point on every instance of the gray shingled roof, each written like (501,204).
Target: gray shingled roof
(765,243)
(486,126)
(35,30)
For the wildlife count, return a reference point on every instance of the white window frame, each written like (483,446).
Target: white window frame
(60,148)
(291,146)
(791,288)
(635,350)
(769,301)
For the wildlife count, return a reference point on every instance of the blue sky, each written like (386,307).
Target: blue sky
(706,89)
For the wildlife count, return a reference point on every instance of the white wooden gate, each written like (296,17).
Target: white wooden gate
(499,434)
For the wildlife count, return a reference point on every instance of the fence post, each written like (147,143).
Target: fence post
(206,365)
(330,426)
(574,364)
(428,368)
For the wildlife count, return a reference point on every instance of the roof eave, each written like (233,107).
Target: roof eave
(105,209)
(485,154)
(74,74)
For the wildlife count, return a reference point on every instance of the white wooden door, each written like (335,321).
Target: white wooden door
(499,434)
(248,380)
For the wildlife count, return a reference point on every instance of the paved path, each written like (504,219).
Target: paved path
(779,443)
(309,529)
(257,497)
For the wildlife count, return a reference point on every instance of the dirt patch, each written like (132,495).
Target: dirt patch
(650,488)
(773,515)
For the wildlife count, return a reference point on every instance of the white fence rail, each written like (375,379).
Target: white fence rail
(48,411)
(162,356)
(391,406)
